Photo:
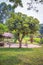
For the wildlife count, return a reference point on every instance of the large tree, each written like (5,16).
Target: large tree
(19,24)
(22,25)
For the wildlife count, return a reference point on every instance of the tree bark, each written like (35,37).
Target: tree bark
(31,38)
(20,44)
(20,40)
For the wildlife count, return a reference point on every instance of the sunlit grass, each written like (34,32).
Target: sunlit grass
(23,56)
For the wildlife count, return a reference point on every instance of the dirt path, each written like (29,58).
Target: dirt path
(23,46)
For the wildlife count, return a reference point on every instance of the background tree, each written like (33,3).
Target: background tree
(3,28)
(41,33)
(4,11)
(33,26)
(41,29)
(32,4)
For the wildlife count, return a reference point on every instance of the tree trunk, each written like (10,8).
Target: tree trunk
(20,44)
(31,38)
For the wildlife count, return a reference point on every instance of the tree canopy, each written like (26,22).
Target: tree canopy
(22,25)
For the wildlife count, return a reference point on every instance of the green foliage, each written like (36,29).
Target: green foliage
(33,25)
(16,3)
(18,23)
(37,40)
(22,25)
(3,28)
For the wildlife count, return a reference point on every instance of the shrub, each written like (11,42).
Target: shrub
(37,40)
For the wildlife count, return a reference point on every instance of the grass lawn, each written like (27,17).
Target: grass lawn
(23,56)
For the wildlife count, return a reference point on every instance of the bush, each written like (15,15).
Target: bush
(37,40)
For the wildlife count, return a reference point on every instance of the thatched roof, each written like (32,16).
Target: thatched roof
(8,35)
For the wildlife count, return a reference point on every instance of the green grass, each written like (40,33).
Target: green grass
(23,56)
